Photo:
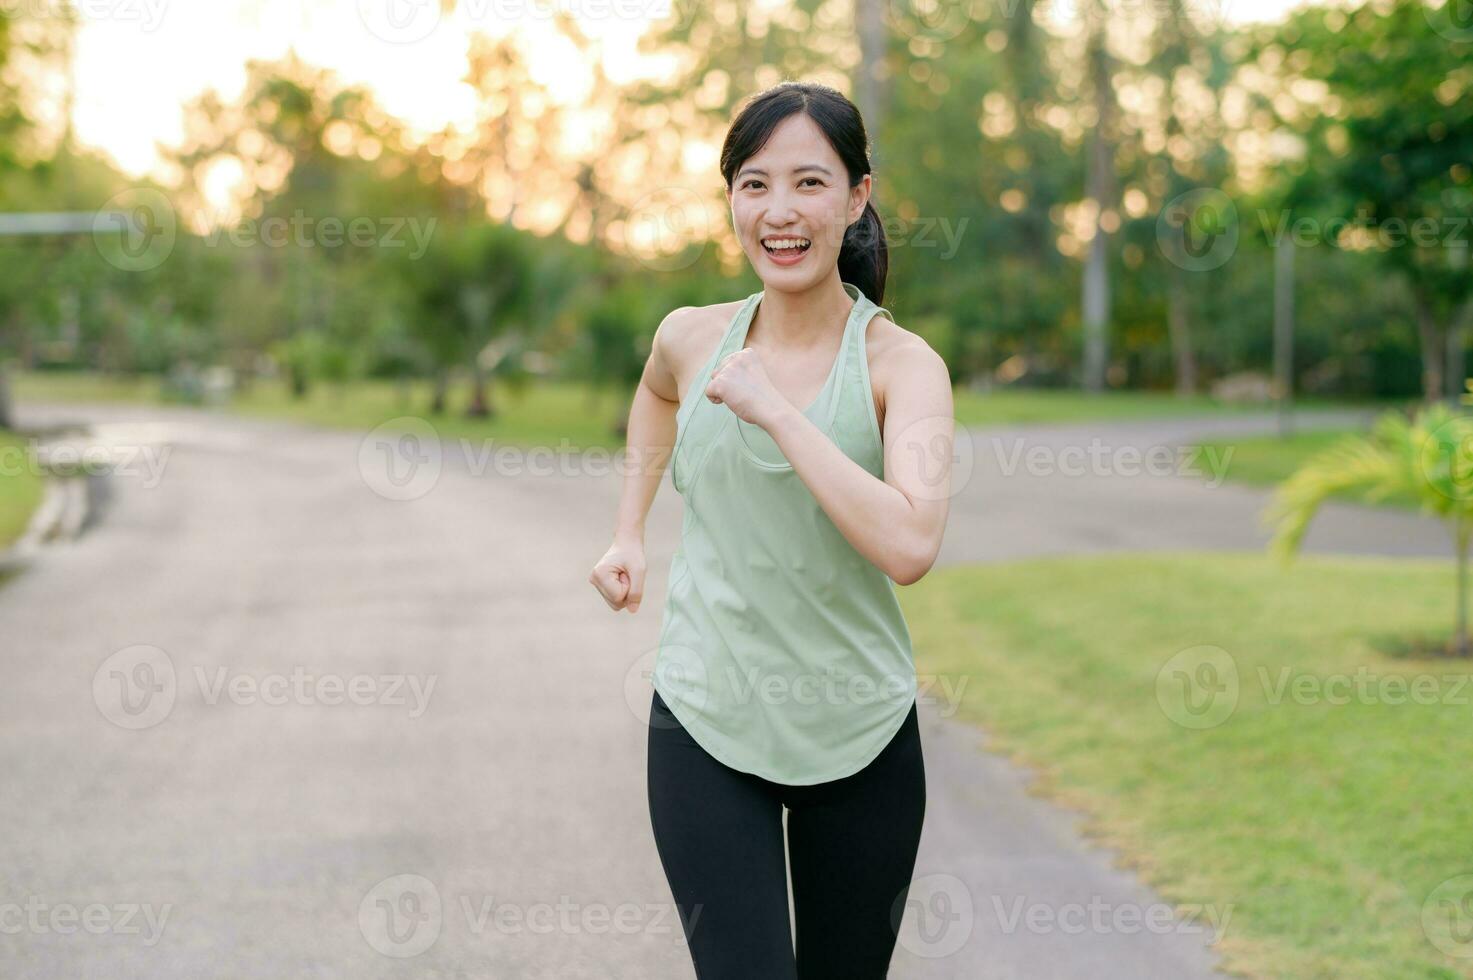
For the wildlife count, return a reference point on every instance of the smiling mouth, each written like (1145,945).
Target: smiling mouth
(790,245)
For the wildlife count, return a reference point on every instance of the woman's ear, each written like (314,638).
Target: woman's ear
(859,197)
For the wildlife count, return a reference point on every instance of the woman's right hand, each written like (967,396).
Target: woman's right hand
(619,575)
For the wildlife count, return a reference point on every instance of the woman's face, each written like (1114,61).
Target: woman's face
(794,188)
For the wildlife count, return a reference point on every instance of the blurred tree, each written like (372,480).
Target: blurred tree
(1182,146)
(1381,98)
(326,188)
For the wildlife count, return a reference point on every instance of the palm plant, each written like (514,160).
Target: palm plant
(1429,458)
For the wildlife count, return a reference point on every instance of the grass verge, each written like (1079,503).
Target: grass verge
(550,411)
(1269,460)
(21,489)
(1324,827)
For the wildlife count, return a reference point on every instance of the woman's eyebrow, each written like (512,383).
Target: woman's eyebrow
(807,166)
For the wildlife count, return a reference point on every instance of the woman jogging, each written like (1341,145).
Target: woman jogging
(784,677)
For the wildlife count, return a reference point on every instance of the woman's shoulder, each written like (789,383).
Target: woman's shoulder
(690,333)
(895,355)
(888,343)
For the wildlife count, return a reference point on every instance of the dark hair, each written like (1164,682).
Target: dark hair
(864,256)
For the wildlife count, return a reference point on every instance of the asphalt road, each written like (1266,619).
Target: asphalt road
(263,719)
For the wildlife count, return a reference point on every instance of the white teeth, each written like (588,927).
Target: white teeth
(785,242)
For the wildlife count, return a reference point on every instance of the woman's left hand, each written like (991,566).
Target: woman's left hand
(740,383)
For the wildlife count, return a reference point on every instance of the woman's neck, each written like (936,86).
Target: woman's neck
(801,320)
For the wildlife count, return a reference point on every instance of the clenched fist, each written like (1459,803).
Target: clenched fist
(740,383)
(619,575)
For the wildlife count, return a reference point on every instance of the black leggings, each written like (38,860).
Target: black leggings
(852,843)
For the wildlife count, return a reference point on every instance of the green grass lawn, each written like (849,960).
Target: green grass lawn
(1005,406)
(1269,460)
(543,415)
(550,411)
(1322,828)
(84,386)
(20,489)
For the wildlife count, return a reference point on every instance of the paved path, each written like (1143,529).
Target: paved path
(163,825)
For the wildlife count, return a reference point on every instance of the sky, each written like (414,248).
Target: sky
(138,61)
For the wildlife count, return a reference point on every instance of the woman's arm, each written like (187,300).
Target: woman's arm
(619,574)
(897,522)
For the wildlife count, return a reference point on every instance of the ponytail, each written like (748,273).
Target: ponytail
(864,256)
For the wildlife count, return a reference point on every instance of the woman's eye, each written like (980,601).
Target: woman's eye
(750,183)
(814,179)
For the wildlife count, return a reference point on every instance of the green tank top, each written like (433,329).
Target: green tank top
(783,651)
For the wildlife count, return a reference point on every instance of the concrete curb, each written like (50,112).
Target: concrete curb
(60,517)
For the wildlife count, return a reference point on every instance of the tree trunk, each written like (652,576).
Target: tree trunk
(1452,372)
(480,406)
(1431,345)
(441,390)
(1178,321)
(7,419)
(1461,640)
(1455,371)
(1284,333)
(869,81)
(297,376)
(1100,188)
